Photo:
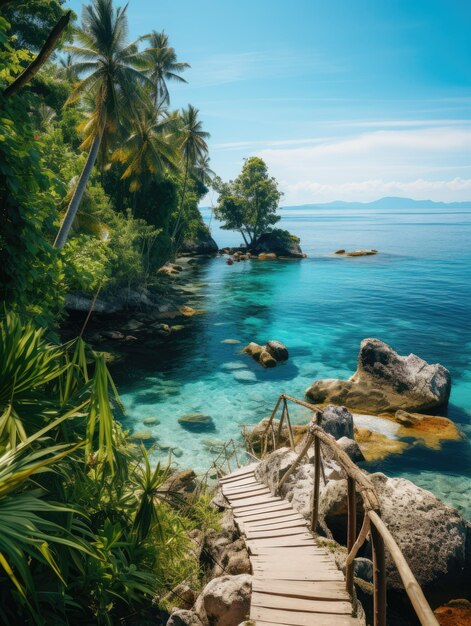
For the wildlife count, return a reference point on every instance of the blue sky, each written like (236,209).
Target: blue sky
(349,100)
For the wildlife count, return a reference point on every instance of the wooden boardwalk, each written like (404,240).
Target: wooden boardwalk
(295,582)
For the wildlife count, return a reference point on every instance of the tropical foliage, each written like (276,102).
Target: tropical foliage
(87,532)
(92,159)
(248,203)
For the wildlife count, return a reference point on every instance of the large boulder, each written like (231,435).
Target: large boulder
(201,243)
(279,242)
(225,601)
(278,350)
(433,537)
(182,617)
(385,382)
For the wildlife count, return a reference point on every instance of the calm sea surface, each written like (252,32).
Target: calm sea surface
(414,295)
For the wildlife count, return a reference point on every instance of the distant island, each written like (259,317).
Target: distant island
(389,202)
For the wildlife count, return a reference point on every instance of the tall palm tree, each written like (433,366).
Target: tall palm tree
(110,68)
(193,148)
(67,71)
(164,66)
(149,146)
(203,171)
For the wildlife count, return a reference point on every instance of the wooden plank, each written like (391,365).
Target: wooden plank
(280,518)
(234,497)
(312,574)
(243,489)
(295,523)
(299,618)
(249,501)
(301,563)
(320,590)
(271,516)
(278,532)
(337,607)
(242,471)
(239,480)
(262,508)
(280,542)
(294,551)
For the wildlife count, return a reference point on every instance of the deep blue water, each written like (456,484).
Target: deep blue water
(415,295)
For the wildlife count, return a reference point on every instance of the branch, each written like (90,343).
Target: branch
(3,3)
(46,51)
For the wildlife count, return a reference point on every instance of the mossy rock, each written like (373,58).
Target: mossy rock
(197,422)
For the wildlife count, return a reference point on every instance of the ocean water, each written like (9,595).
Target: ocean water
(415,295)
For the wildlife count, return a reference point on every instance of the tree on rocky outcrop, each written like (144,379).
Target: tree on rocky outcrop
(248,203)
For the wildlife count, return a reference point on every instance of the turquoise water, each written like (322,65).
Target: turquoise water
(415,295)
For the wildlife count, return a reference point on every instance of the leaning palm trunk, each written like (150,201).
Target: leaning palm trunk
(182,201)
(78,194)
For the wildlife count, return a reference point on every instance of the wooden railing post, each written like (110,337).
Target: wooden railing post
(379,578)
(317,479)
(352,529)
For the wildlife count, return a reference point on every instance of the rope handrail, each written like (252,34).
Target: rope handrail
(373,525)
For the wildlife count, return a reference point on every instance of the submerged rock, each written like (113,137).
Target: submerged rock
(376,446)
(356,252)
(197,422)
(385,382)
(149,421)
(269,355)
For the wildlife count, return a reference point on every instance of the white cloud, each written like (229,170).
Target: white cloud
(385,162)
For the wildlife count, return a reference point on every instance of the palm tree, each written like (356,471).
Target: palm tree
(203,171)
(149,147)
(193,148)
(67,71)
(163,66)
(111,68)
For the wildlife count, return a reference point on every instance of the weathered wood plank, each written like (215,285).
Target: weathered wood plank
(299,618)
(320,590)
(337,607)
(280,518)
(230,491)
(234,497)
(249,501)
(262,508)
(277,532)
(295,523)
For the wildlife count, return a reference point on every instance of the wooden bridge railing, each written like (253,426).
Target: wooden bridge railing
(372,525)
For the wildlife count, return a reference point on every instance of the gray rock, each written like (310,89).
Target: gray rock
(432,536)
(182,617)
(225,601)
(363,568)
(386,382)
(351,447)
(278,350)
(337,421)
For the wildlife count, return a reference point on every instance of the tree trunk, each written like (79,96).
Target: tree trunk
(35,65)
(78,194)
(175,230)
(245,238)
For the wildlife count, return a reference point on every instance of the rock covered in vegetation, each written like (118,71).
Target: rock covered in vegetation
(225,601)
(385,382)
(197,422)
(270,355)
(278,242)
(202,243)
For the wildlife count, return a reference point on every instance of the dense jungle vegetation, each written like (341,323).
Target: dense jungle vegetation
(99,185)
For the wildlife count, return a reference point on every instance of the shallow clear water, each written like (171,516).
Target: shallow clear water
(415,295)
